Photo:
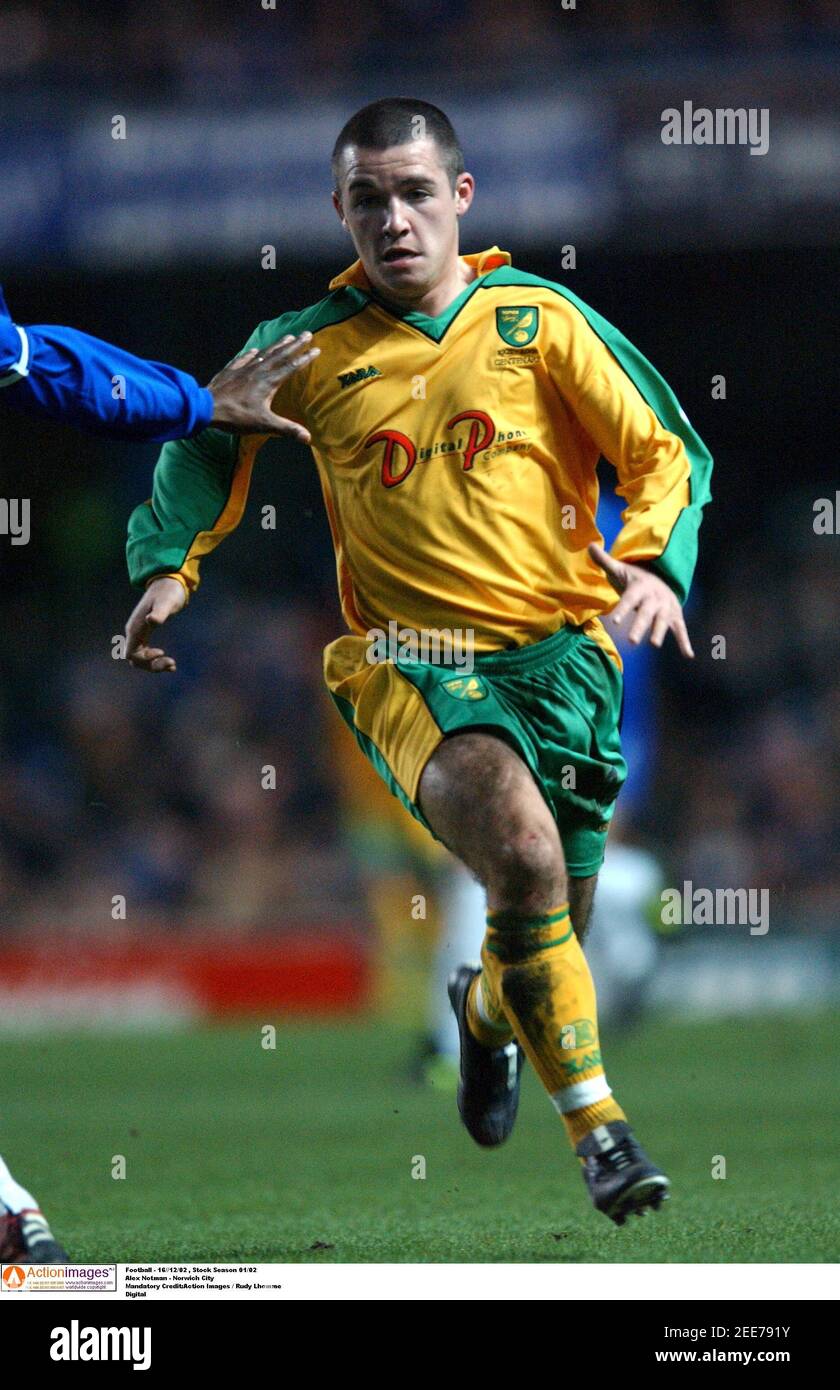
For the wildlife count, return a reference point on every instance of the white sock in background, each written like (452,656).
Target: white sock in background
(12,1196)
(463,912)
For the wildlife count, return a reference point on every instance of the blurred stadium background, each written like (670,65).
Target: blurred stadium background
(714,262)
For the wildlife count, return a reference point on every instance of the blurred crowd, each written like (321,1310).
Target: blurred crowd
(302,49)
(210,799)
(748,780)
(200,800)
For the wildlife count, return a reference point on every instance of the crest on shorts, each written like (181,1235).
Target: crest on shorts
(518,325)
(466,688)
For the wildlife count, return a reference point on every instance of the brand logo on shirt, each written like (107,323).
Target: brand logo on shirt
(517,325)
(361,374)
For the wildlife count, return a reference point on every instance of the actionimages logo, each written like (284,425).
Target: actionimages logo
(75,1343)
(36,1278)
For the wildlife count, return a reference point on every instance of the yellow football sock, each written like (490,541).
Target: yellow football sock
(536,976)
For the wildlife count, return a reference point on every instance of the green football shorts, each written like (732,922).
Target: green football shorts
(557,703)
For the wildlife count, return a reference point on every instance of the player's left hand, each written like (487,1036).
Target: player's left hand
(646,602)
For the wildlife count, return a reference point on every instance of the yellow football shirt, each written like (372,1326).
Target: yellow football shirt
(457,457)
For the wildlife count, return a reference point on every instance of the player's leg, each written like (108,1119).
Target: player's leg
(531,863)
(25,1236)
(426,732)
(481,800)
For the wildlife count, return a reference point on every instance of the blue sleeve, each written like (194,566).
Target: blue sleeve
(62,374)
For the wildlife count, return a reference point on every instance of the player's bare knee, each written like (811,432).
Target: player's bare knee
(527,873)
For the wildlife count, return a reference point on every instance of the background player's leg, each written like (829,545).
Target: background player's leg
(12,1196)
(25,1235)
(463,910)
(481,800)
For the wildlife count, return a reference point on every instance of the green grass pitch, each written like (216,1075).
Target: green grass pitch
(305,1153)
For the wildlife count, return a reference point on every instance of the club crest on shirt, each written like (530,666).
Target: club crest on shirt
(517,325)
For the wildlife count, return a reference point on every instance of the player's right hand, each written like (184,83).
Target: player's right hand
(243,390)
(162,599)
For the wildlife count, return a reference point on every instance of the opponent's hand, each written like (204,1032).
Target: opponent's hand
(162,598)
(646,600)
(243,390)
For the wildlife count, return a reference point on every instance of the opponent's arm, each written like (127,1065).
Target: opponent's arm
(634,419)
(62,374)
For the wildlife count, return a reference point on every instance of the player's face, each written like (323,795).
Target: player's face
(403,216)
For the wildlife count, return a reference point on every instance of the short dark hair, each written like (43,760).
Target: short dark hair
(392,121)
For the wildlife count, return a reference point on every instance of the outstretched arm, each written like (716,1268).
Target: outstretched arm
(62,374)
(243,391)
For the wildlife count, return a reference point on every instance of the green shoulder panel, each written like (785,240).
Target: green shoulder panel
(342,304)
(676,563)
